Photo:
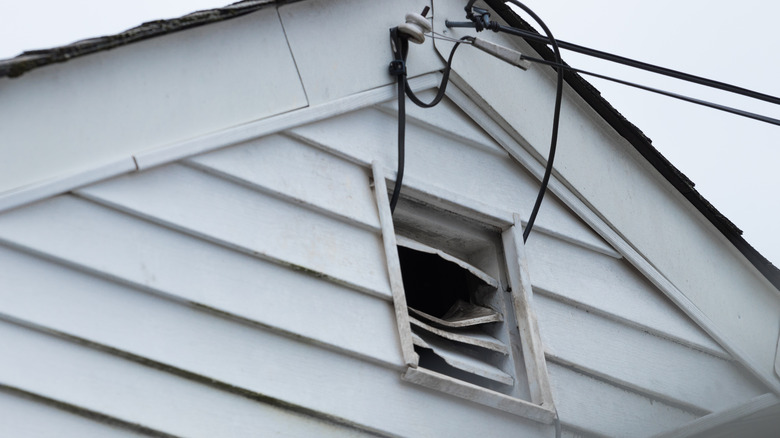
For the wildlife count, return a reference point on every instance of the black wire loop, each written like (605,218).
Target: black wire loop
(400,47)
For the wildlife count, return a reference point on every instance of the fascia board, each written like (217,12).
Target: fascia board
(602,178)
(106,106)
(147,159)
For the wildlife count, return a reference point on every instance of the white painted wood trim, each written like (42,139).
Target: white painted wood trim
(394,268)
(271,125)
(777,358)
(522,300)
(35,192)
(477,394)
(513,143)
(716,419)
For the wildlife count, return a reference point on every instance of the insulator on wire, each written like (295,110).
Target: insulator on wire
(415,28)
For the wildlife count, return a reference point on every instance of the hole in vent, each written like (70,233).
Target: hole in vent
(433,285)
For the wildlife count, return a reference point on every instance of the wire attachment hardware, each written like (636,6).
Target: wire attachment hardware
(503,53)
(415,28)
(397,67)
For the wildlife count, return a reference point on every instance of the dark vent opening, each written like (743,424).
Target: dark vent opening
(432,284)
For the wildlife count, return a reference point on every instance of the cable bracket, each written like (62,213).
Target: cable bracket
(397,67)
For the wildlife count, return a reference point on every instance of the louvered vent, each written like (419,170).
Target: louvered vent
(457,317)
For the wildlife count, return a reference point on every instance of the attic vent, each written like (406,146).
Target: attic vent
(454,312)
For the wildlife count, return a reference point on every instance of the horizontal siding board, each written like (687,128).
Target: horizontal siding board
(51,295)
(648,364)
(306,175)
(428,158)
(24,417)
(612,287)
(458,167)
(592,406)
(93,380)
(446,119)
(225,212)
(274,367)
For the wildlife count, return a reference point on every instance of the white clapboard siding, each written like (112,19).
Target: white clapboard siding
(447,120)
(274,367)
(223,211)
(597,407)
(609,286)
(109,385)
(24,417)
(646,363)
(54,296)
(456,166)
(305,175)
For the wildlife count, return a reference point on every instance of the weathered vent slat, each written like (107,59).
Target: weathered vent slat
(462,361)
(474,337)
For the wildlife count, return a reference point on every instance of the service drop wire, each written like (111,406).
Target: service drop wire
(556,119)
(400,47)
(528,35)
(708,104)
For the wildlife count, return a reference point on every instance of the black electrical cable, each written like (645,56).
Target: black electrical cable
(628,61)
(556,119)
(400,46)
(399,178)
(442,87)
(398,68)
(716,106)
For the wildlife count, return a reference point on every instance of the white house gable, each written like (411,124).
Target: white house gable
(225,264)
(246,279)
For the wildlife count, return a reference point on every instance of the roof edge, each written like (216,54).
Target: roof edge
(32,59)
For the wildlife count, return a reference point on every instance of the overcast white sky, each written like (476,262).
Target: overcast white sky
(733,161)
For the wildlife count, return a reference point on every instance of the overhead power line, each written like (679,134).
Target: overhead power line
(725,108)
(626,61)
